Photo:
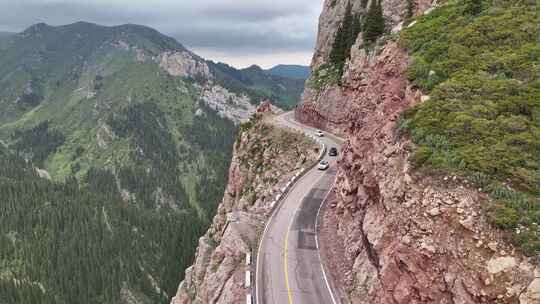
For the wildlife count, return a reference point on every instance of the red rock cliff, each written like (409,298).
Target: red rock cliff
(391,235)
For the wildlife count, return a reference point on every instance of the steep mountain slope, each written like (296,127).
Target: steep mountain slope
(435,199)
(119,145)
(281,90)
(67,242)
(290,71)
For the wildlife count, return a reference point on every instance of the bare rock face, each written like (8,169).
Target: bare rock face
(263,162)
(104,135)
(235,107)
(390,234)
(532,295)
(324,107)
(265,107)
(334,12)
(226,104)
(184,64)
(43,174)
(329,21)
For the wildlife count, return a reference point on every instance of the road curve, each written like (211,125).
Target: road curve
(289,269)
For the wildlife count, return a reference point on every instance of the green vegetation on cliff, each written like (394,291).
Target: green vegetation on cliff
(480,63)
(369,23)
(374,25)
(345,38)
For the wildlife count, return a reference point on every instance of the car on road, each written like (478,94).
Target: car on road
(323,165)
(319,133)
(333,151)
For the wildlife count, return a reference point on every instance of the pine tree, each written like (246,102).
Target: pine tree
(348,29)
(374,23)
(473,7)
(345,38)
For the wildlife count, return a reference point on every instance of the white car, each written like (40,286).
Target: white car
(319,133)
(323,165)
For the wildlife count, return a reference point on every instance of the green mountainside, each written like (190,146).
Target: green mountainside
(67,242)
(110,167)
(290,71)
(480,63)
(283,91)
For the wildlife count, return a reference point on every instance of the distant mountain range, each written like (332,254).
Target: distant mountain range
(290,71)
(282,90)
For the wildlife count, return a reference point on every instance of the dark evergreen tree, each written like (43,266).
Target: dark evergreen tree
(349,30)
(345,38)
(373,23)
(364,3)
(473,7)
(410,8)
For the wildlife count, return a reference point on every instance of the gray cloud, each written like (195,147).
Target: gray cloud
(230,27)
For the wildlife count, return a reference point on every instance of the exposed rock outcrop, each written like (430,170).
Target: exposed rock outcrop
(334,11)
(390,234)
(43,173)
(184,64)
(265,158)
(226,104)
(236,107)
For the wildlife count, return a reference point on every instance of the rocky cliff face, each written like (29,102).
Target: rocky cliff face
(323,106)
(265,158)
(390,234)
(233,106)
(334,12)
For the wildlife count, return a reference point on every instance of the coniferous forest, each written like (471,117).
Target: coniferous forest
(67,243)
(87,241)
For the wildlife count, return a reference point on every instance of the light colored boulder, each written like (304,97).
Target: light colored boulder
(497,265)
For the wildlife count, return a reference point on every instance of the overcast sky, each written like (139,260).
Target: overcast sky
(238,32)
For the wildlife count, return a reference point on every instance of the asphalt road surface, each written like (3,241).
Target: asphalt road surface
(289,269)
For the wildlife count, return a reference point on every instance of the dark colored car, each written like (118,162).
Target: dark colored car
(333,151)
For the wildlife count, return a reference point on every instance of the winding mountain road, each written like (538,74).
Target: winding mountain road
(289,268)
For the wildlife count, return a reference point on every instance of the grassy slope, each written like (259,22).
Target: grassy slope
(481,65)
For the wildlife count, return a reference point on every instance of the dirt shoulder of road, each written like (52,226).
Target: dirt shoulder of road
(332,252)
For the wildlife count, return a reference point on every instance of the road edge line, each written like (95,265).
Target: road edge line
(285,256)
(317,243)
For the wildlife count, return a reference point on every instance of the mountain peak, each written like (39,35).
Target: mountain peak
(254,67)
(96,34)
(38,27)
